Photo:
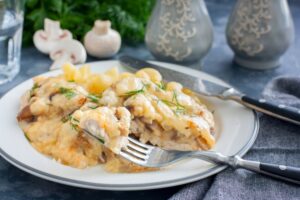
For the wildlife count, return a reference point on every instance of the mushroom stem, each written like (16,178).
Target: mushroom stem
(52,28)
(45,40)
(67,51)
(65,57)
(101,27)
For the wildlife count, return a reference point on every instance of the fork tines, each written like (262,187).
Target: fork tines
(136,151)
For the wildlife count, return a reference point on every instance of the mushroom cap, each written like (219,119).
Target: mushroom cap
(102,46)
(73,50)
(45,40)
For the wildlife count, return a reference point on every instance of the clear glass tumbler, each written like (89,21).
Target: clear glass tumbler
(11,25)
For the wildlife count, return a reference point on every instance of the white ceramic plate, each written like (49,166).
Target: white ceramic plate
(237,128)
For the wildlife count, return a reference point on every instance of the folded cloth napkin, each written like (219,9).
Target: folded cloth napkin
(278,142)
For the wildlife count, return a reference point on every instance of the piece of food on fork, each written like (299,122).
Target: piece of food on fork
(109,125)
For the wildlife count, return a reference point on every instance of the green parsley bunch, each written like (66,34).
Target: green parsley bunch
(128,17)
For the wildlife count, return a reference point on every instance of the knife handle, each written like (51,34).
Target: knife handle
(288,173)
(280,111)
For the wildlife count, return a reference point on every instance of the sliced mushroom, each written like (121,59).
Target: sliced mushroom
(24,100)
(25,114)
(67,51)
(45,40)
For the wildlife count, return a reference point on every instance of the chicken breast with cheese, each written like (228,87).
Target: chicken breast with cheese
(83,119)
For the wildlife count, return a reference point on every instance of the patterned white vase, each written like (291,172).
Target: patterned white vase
(259,32)
(179,31)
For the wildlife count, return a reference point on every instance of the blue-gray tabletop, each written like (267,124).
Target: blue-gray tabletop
(16,184)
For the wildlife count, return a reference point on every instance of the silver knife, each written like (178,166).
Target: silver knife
(208,88)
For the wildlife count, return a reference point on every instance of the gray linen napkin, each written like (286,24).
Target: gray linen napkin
(278,142)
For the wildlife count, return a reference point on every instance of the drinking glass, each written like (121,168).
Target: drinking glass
(11,23)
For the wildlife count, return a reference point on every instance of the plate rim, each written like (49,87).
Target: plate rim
(130,187)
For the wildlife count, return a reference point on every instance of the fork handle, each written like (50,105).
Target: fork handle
(286,173)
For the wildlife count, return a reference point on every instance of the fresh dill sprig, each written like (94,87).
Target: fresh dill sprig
(93,107)
(94,98)
(73,121)
(174,97)
(134,92)
(162,85)
(101,139)
(176,107)
(66,118)
(68,92)
(179,110)
(34,87)
(168,103)
(26,136)
(74,126)
(172,104)
(146,85)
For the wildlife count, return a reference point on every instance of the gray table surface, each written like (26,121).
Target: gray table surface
(16,184)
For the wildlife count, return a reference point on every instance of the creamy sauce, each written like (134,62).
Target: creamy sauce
(55,111)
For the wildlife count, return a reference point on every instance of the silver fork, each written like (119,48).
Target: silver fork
(150,156)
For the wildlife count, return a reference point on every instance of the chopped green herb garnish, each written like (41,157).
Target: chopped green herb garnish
(66,118)
(179,111)
(176,107)
(26,136)
(34,87)
(74,126)
(134,92)
(73,121)
(93,107)
(76,120)
(162,85)
(94,98)
(69,93)
(71,81)
(101,139)
(174,98)
(146,85)
(168,103)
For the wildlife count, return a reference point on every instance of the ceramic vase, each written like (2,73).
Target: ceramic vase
(259,32)
(179,31)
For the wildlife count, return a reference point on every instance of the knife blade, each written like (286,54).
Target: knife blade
(188,81)
(209,88)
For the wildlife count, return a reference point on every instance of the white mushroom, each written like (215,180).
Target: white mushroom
(67,51)
(45,40)
(102,41)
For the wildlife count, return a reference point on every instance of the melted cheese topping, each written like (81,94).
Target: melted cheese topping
(57,110)
(110,124)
